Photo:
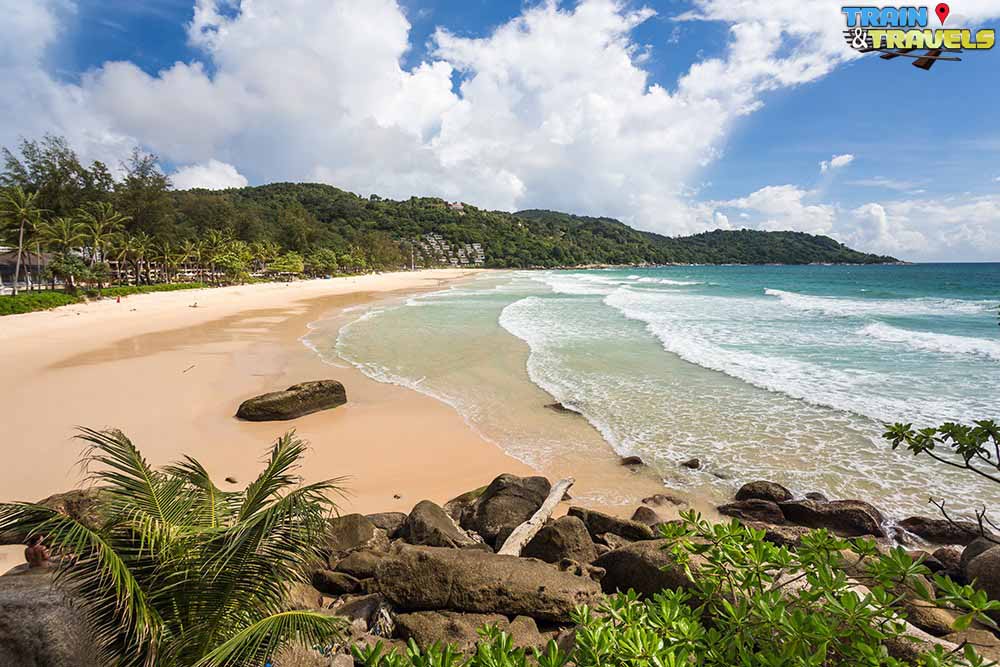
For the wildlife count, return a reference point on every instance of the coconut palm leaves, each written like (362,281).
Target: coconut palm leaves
(20,209)
(182,573)
(102,223)
(62,234)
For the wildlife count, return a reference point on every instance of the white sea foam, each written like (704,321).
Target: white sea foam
(847,307)
(933,342)
(667,281)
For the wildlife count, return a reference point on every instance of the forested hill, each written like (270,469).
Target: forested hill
(306,216)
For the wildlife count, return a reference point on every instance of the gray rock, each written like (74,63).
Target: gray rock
(359,564)
(782,536)
(691,464)
(435,578)
(846,518)
(984,573)
(391,522)
(974,549)
(359,608)
(84,505)
(457,506)
(661,499)
(461,629)
(947,561)
(984,642)
(646,567)
(763,490)
(296,401)
(566,537)
(334,584)
(632,461)
(429,525)
(598,523)
(648,516)
(352,532)
(941,531)
(506,503)
(764,511)
(38,626)
(817,496)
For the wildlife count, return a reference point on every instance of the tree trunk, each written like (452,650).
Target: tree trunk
(522,534)
(20,249)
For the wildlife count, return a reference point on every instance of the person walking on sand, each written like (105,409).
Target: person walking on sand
(36,553)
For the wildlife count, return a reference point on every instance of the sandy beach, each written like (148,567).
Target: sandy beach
(171,376)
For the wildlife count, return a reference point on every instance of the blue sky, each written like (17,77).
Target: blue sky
(675,116)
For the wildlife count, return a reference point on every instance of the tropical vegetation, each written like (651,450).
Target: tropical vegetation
(134,228)
(179,573)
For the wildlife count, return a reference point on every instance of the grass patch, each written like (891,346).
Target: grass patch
(128,290)
(27,302)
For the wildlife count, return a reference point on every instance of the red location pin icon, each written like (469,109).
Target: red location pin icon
(942,11)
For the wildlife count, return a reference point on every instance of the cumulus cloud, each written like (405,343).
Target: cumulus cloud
(554,108)
(212,175)
(836,162)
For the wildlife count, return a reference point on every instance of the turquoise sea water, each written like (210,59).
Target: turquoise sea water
(774,372)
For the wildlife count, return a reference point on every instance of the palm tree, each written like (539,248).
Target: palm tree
(62,234)
(213,245)
(22,208)
(137,250)
(103,223)
(181,573)
(191,251)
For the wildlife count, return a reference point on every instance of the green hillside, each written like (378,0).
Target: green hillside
(306,216)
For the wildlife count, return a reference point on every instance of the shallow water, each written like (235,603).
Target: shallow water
(784,373)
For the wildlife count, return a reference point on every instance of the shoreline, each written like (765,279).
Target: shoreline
(154,361)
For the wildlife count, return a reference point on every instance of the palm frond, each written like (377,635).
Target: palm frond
(211,506)
(277,476)
(255,644)
(134,486)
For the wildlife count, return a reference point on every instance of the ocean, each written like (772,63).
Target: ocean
(785,373)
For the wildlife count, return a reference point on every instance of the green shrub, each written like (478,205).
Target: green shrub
(27,302)
(828,602)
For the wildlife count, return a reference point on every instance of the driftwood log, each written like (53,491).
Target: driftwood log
(522,534)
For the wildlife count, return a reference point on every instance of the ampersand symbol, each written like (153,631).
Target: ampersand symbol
(859,41)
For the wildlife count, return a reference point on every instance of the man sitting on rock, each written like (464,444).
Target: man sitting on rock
(36,553)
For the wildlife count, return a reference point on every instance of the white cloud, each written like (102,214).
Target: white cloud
(212,175)
(836,162)
(554,109)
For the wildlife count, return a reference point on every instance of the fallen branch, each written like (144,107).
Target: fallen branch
(522,534)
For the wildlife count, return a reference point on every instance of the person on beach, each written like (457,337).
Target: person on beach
(36,553)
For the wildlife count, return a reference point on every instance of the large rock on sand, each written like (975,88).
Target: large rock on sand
(296,401)
(566,537)
(646,567)
(598,523)
(470,580)
(38,627)
(352,532)
(506,503)
(429,525)
(846,518)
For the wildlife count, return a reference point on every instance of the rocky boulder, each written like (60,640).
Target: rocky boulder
(470,580)
(782,536)
(941,531)
(450,627)
(457,506)
(83,505)
(984,642)
(846,518)
(391,522)
(664,499)
(506,503)
(296,401)
(598,523)
(334,584)
(646,567)
(647,515)
(765,511)
(359,564)
(973,550)
(352,532)
(566,537)
(947,561)
(39,628)
(429,525)
(984,573)
(763,490)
